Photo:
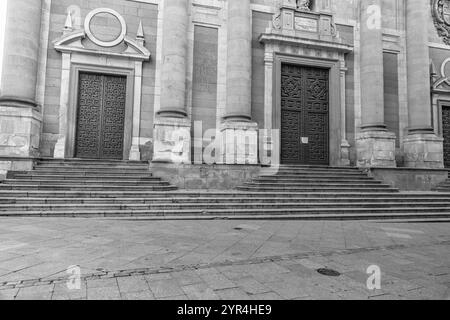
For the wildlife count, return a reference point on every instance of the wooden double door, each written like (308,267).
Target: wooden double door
(100,116)
(304,115)
(446,134)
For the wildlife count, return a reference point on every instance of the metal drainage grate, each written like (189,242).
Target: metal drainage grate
(328,272)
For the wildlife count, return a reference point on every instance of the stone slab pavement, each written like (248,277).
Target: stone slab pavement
(75,258)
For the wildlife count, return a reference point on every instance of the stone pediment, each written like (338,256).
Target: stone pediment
(72,41)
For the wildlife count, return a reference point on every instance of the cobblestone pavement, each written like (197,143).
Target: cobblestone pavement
(139,259)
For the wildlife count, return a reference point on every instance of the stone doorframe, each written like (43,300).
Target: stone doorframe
(71,125)
(331,57)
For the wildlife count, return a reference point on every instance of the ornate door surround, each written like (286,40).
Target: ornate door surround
(107,58)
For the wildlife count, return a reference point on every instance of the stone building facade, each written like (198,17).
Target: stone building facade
(327,82)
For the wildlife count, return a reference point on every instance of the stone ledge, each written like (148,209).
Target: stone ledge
(8,164)
(410,179)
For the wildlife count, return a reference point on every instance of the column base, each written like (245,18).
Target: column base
(345,154)
(20,130)
(135,153)
(423,151)
(172,140)
(376,149)
(60,148)
(240,142)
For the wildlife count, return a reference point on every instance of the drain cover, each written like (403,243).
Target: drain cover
(328,272)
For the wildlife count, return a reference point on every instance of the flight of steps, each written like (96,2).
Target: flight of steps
(443,187)
(83,188)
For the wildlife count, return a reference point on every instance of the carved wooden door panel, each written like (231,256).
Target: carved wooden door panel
(446,134)
(304,115)
(100,116)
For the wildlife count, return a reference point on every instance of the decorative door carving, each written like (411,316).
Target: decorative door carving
(100,116)
(304,115)
(446,134)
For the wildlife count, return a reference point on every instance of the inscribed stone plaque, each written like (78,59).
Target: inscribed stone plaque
(306,24)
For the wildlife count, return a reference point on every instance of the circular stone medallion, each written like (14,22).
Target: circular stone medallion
(93,38)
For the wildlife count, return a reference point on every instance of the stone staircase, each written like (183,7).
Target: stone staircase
(443,187)
(92,188)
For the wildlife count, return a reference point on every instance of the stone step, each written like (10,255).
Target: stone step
(91,167)
(341,213)
(224,206)
(316,176)
(84,178)
(316,167)
(340,189)
(219,194)
(91,171)
(317,180)
(99,181)
(237,199)
(82,161)
(277,184)
(80,174)
(312,171)
(86,187)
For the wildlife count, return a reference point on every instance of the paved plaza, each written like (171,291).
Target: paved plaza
(243,260)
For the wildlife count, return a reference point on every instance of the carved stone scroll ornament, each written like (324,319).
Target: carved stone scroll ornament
(441,16)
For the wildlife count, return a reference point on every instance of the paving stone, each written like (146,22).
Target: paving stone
(132,284)
(232,294)
(165,288)
(200,291)
(218,281)
(287,290)
(138,295)
(184,278)
(8,294)
(252,286)
(182,297)
(102,283)
(266,296)
(103,293)
(158,276)
(35,293)
(62,292)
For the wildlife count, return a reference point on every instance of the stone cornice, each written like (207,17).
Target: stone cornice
(71,43)
(305,42)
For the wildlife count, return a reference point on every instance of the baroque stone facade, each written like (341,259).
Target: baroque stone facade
(206,82)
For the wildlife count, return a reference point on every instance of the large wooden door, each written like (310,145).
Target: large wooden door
(446,134)
(304,115)
(100,116)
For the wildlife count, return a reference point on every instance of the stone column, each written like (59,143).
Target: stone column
(422,147)
(172,126)
(375,145)
(239,133)
(20,118)
(345,146)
